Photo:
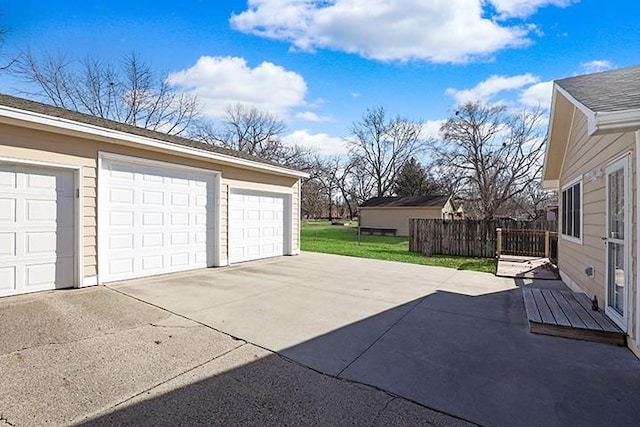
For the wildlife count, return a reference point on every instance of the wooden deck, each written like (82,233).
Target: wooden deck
(526,267)
(569,315)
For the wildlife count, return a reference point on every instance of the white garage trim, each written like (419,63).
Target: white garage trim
(287,222)
(213,254)
(71,127)
(77,171)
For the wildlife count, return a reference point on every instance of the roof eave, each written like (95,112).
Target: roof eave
(616,121)
(550,184)
(61,125)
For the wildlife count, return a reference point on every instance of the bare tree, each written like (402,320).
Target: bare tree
(254,132)
(361,185)
(492,153)
(381,146)
(335,178)
(130,93)
(312,199)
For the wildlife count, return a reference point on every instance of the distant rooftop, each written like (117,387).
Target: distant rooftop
(614,90)
(409,201)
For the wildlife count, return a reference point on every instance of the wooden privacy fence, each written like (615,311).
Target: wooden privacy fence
(471,238)
(526,242)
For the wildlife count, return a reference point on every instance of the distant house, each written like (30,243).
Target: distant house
(591,159)
(395,212)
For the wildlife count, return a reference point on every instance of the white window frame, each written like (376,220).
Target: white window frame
(568,185)
(621,320)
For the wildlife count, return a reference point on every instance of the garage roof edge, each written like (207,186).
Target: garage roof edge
(122,133)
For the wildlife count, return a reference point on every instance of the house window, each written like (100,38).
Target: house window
(572,210)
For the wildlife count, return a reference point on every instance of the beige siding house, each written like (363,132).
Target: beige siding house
(395,212)
(592,160)
(85,201)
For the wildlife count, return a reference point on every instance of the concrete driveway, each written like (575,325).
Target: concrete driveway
(454,341)
(97,357)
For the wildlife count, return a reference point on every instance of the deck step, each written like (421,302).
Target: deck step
(526,267)
(569,315)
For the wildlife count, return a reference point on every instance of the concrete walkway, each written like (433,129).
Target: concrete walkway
(454,341)
(99,358)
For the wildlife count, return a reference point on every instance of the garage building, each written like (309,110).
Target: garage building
(86,201)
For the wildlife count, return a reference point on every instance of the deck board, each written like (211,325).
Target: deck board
(574,319)
(568,314)
(582,312)
(598,316)
(543,307)
(557,311)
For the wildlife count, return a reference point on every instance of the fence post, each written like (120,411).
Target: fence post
(546,244)
(498,242)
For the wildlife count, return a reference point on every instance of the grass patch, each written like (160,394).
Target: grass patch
(321,236)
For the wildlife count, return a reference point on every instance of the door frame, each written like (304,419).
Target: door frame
(101,195)
(287,216)
(78,205)
(624,163)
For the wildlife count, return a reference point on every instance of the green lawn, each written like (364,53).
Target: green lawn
(321,236)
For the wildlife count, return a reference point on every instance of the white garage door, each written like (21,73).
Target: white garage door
(256,225)
(155,219)
(36,229)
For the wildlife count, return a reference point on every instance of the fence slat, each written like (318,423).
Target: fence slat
(477,238)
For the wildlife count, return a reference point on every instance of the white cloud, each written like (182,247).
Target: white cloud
(537,95)
(524,8)
(320,142)
(596,66)
(438,31)
(310,116)
(222,81)
(487,89)
(431,128)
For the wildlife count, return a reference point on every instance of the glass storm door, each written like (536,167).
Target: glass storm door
(618,222)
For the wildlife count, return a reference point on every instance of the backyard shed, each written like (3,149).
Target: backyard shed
(393,213)
(591,159)
(84,201)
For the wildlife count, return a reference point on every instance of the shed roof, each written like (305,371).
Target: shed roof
(613,90)
(409,201)
(63,113)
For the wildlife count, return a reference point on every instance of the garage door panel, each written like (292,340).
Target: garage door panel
(8,210)
(120,241)
(8,178)
(43,242)
(121,195)
(8,279)
(201,257)
(152,176)
(40,210)
(119,267)
(47,181)
(153,240)
(37,238)
(120,219)
(256,226)
(169,208)
(7,244)
(151,263)
(38,275)
(179,260)
(179,219)
(152,198)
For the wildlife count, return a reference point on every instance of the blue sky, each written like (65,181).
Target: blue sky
(320,64)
